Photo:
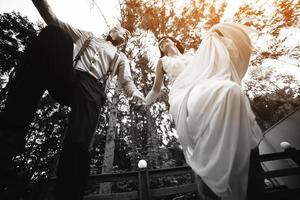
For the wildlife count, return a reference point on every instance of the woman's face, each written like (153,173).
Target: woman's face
(165,43)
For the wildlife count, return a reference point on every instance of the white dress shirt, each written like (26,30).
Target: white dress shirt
(98,57)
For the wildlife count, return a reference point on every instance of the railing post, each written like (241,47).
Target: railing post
(193,177)
(144,182)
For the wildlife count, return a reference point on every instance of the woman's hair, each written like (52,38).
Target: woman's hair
(177,44)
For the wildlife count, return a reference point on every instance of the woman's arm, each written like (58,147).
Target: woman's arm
(159,76)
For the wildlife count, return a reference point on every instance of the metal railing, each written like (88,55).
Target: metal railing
(143,179)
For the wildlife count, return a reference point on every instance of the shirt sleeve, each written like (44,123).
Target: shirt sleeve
(75,33)
(50,18)
(125,79)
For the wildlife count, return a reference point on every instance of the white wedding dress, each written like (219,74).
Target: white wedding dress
(213,117)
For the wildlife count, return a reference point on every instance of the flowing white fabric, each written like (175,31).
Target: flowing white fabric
(213,117)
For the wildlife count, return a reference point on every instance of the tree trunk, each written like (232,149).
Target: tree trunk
(152,141)
(108,160)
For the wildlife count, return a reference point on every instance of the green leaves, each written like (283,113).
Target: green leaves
(15,34)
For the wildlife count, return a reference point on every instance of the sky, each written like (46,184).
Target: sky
(80,14)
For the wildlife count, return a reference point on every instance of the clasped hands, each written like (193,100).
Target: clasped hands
(139,102)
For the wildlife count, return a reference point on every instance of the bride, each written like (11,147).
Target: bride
(213,117)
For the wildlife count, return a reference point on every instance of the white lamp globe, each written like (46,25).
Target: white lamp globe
(142,164)
(285,145)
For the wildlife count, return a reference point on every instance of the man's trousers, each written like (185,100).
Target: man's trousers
(48,65)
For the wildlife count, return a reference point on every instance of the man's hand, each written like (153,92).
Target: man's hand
(138,101)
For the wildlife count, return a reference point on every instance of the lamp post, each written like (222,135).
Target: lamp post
(143,177)
(287,147)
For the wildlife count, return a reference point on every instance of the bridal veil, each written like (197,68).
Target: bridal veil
(213,117)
